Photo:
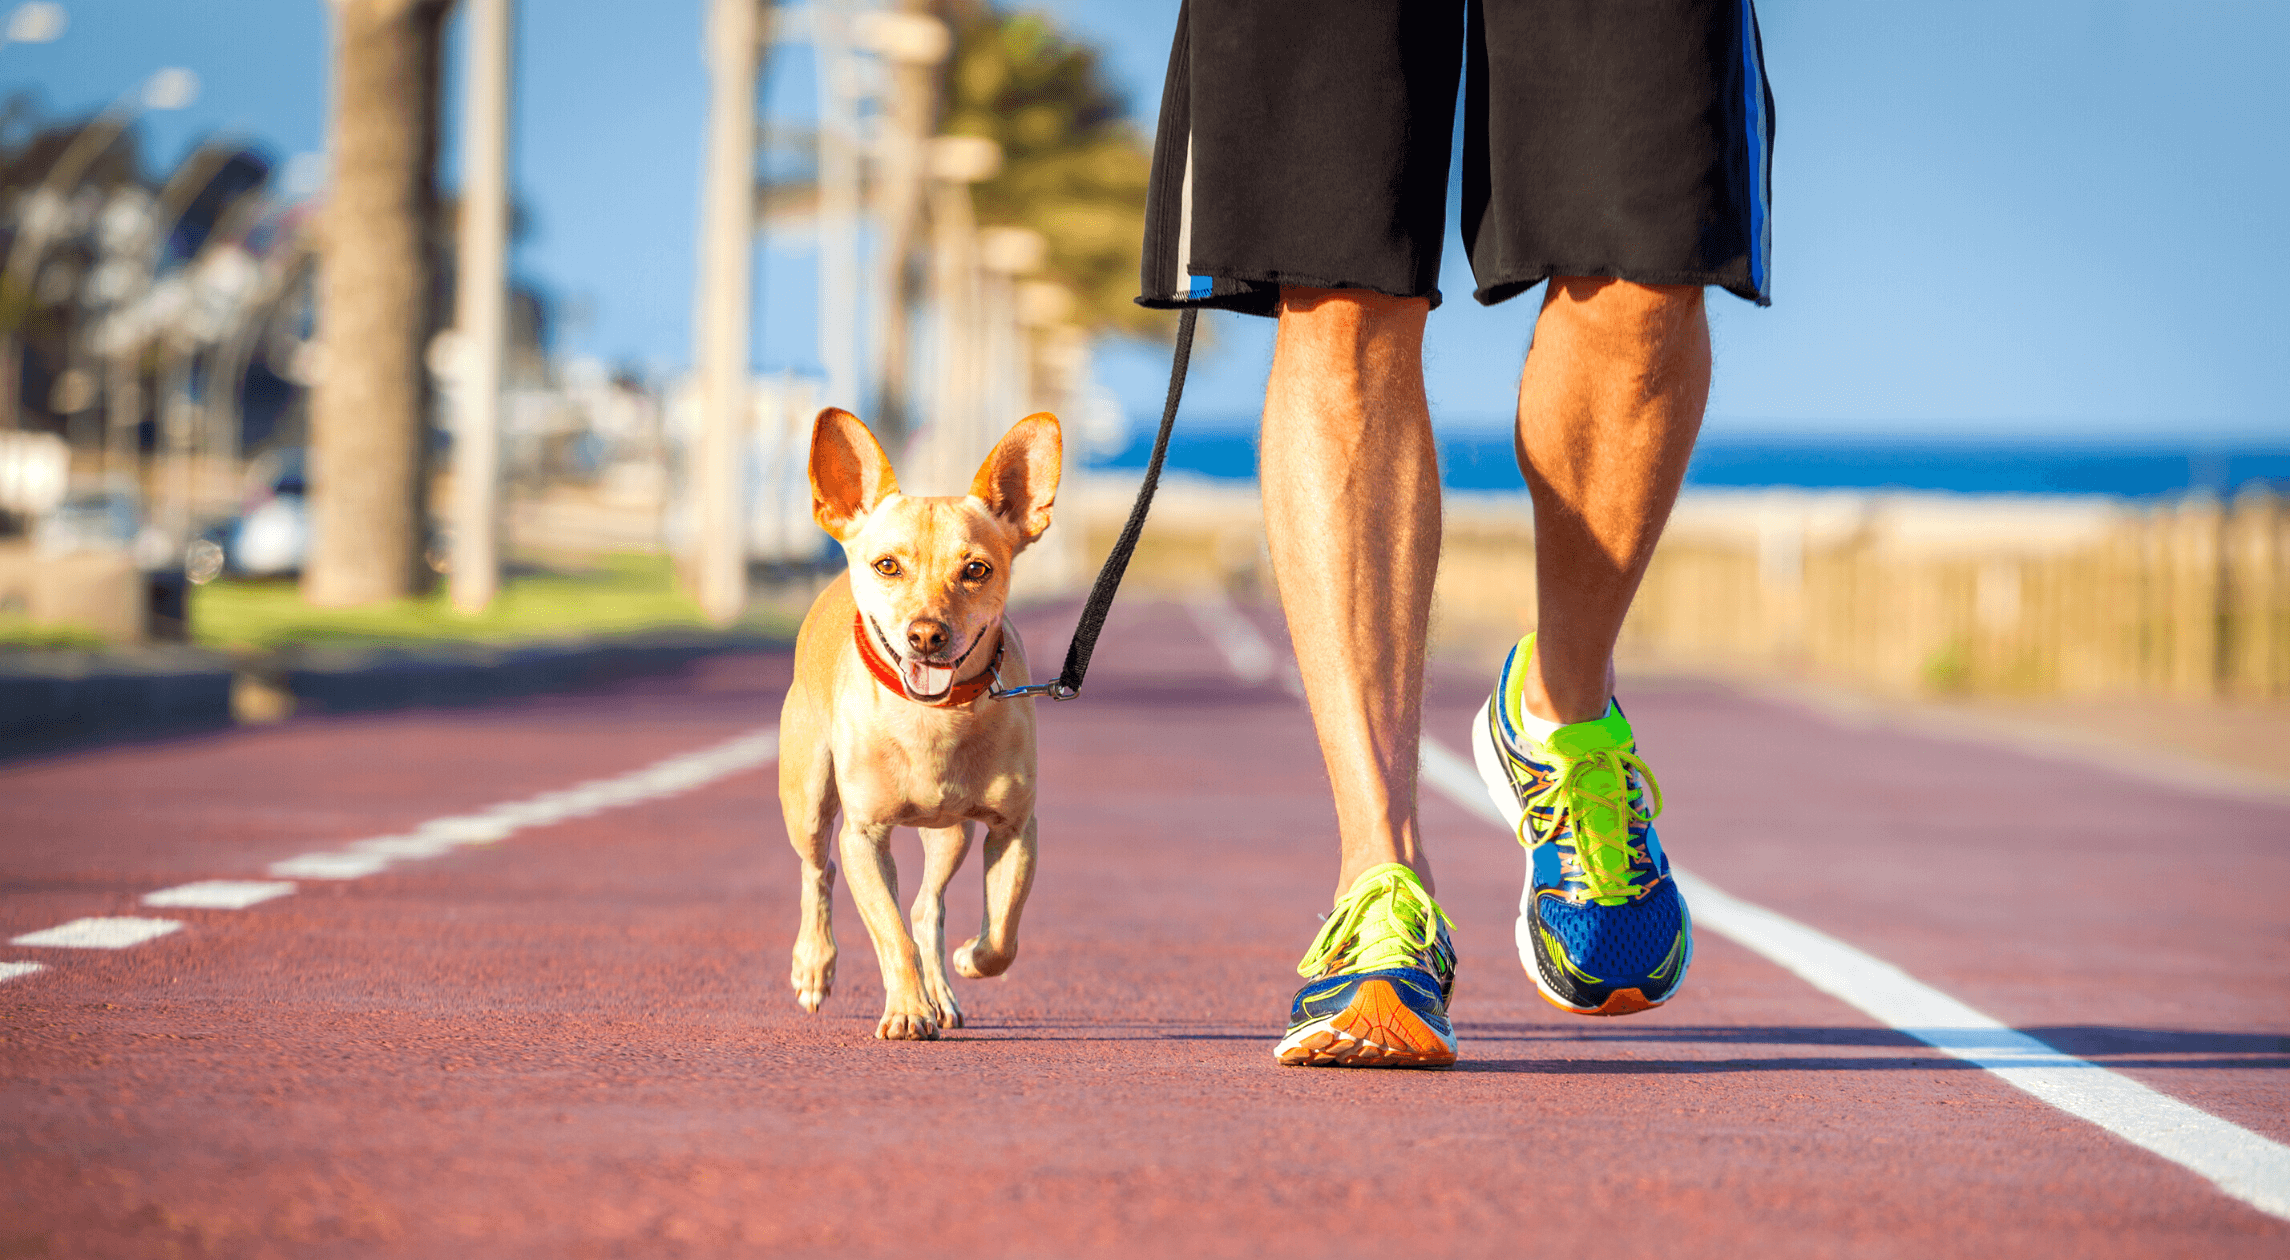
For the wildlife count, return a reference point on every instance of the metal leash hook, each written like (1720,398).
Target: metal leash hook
(1055,689)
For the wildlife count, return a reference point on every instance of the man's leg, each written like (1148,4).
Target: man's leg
(1609,405)
(1351,507)
(1608,408)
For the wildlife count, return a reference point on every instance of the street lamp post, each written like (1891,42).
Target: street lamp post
(34,23)
(838,203)
(915,44)
(47,206)
(957,416)
(129,327)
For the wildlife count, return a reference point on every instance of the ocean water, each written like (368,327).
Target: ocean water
(2151,470)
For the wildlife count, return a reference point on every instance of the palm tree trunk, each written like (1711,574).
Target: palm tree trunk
(369,421)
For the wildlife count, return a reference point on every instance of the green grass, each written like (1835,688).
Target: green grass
(17,631)
(625,594)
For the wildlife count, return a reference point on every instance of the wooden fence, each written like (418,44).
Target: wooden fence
(1935,593)
(1905,593)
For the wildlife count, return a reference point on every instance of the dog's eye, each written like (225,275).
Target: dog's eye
(887,567)
(976,570)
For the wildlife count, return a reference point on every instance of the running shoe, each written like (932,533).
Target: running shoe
(1379,977)
(1602,928)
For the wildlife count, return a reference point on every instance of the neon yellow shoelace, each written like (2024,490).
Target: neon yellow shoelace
(1387,915)
(1592,792)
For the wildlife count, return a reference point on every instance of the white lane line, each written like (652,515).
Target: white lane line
(433,838)
(1460,780)
(402,848)
(2241,1163)
(1249,655)
(116,933)
(329,866)
(2245,1165)
(1245,651)
(467,829)
(439,836)
(219,894)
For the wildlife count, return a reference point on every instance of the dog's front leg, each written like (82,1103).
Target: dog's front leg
(812,969)
(875,886)
(1009,877)
(942,852)
(807,797)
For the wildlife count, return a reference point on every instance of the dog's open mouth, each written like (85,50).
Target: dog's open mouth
(927,680)
(921,678)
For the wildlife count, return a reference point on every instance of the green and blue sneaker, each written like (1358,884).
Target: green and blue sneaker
(1378,979)
(1602,928)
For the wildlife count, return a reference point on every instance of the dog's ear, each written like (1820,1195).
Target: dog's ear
(1019,481)
(849,473)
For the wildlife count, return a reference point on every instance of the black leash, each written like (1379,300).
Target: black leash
(1067,685)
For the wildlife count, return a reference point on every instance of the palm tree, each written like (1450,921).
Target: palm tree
(369,422)
(1073,168)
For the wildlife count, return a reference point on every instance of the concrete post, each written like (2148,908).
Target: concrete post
(727,227)
(481,307)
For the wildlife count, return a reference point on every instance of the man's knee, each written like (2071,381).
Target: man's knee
(1621,314)
(1625,303)
(1360,315)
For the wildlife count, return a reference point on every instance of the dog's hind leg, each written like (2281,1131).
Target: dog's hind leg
(1009,877)
(808,801)
(875,886)
(942,852)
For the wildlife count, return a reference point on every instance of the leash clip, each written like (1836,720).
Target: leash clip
(1055,689)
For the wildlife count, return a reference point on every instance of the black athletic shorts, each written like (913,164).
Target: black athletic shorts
(1305,142)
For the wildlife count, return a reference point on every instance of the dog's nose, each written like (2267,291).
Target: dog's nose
(926,637)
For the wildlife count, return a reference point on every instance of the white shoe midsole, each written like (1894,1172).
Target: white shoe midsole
(1496,777)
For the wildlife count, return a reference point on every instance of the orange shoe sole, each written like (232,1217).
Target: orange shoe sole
(1619,1002)
(1375,1030)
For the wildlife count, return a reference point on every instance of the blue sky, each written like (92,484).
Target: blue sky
(2043,218)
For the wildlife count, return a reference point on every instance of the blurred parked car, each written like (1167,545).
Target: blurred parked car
(271,534)
(91,520)
(270,537)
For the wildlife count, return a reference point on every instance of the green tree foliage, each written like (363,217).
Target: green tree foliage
(1073,168)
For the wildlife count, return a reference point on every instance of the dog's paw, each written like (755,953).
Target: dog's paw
(976,963)
(945,1009)
(813,981)
(899,1026)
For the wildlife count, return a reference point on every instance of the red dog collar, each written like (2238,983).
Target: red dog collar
(888,675)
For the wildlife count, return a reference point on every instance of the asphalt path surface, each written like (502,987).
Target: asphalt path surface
(576,1038)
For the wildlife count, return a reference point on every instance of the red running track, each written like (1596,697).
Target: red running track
(579,1041)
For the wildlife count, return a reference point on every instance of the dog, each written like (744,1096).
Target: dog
(889,721)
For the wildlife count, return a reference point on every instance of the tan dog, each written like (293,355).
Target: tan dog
(888,720)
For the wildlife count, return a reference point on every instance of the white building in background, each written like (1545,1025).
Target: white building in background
(776,482)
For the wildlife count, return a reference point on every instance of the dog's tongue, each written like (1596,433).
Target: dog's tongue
(923,679)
